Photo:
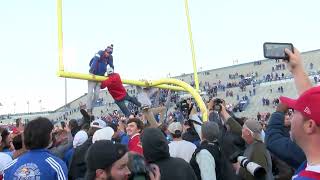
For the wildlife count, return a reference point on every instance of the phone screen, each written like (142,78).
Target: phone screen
(276,50)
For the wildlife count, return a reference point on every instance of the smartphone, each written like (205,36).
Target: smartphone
(276,50)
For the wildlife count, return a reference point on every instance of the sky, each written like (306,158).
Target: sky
(150,40)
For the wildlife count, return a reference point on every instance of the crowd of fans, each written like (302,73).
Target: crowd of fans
(152,143)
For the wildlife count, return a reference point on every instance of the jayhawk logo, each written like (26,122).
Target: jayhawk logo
(28,171)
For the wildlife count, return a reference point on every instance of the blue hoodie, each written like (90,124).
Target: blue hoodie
(98,66)
(37,164)
(279,143)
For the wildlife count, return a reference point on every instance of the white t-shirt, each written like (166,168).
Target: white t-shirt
(5,159)
(182,149)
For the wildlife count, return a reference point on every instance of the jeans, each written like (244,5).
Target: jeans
(121,104)
(93,93)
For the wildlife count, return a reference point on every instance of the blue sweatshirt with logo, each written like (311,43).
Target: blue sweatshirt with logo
(98,64)
(37,164)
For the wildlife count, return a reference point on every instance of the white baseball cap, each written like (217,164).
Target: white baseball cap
(103,134)
(98,123)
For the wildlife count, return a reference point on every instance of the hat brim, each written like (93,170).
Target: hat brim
(291,103)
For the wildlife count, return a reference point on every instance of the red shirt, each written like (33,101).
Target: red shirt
(115,87)
(134,144)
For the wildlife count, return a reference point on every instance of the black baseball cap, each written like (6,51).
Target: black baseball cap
(102,154)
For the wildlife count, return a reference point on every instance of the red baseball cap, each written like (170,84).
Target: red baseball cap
(308,103)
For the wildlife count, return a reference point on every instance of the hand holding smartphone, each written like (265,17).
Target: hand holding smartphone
(277,50)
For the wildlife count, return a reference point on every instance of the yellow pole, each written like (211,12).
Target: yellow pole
(90,77)
(60,34)
(195,73)
(162,83)
(188,88)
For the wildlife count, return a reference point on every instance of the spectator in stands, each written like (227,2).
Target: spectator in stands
(19,125)
(305,125)
(80,138)
(156,150)
(311,65)
(178,147)
(259,116)
(208,161)
(256,150)
(74,127)
(62,144)
(5,159)
(190,134)
(119,136)
(37,163)
(6,143)
(118,92)
(98,65)
(77,166)
(19,148)
(103,134)
(134,129)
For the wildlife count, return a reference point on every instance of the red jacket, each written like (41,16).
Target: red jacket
(134,144)
(115,87)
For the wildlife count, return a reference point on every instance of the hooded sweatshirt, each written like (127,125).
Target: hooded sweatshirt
(156,150)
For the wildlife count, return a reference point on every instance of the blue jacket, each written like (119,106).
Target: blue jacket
(98,65)
(279,143)
(124,139)
(303,174)
(67,156)
(37,164)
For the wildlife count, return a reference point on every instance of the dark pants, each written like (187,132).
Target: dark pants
(121,104)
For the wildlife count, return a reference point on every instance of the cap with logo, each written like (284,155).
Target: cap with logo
(307,103)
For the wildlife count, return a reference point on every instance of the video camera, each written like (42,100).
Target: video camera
(253,168)
(184,107)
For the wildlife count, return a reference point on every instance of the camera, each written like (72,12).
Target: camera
(184,107)
(138,167)
(217,105)
(253,168)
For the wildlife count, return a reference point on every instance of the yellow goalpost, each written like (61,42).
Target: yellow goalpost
(166,83)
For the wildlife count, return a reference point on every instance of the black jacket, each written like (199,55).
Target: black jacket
(77,167)
(192,136)
(156,150)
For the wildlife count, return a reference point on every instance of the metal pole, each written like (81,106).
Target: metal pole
(195,73)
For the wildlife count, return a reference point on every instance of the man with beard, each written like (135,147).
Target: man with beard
(109,161)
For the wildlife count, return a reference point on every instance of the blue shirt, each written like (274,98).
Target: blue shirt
(124,139)
(37,164)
